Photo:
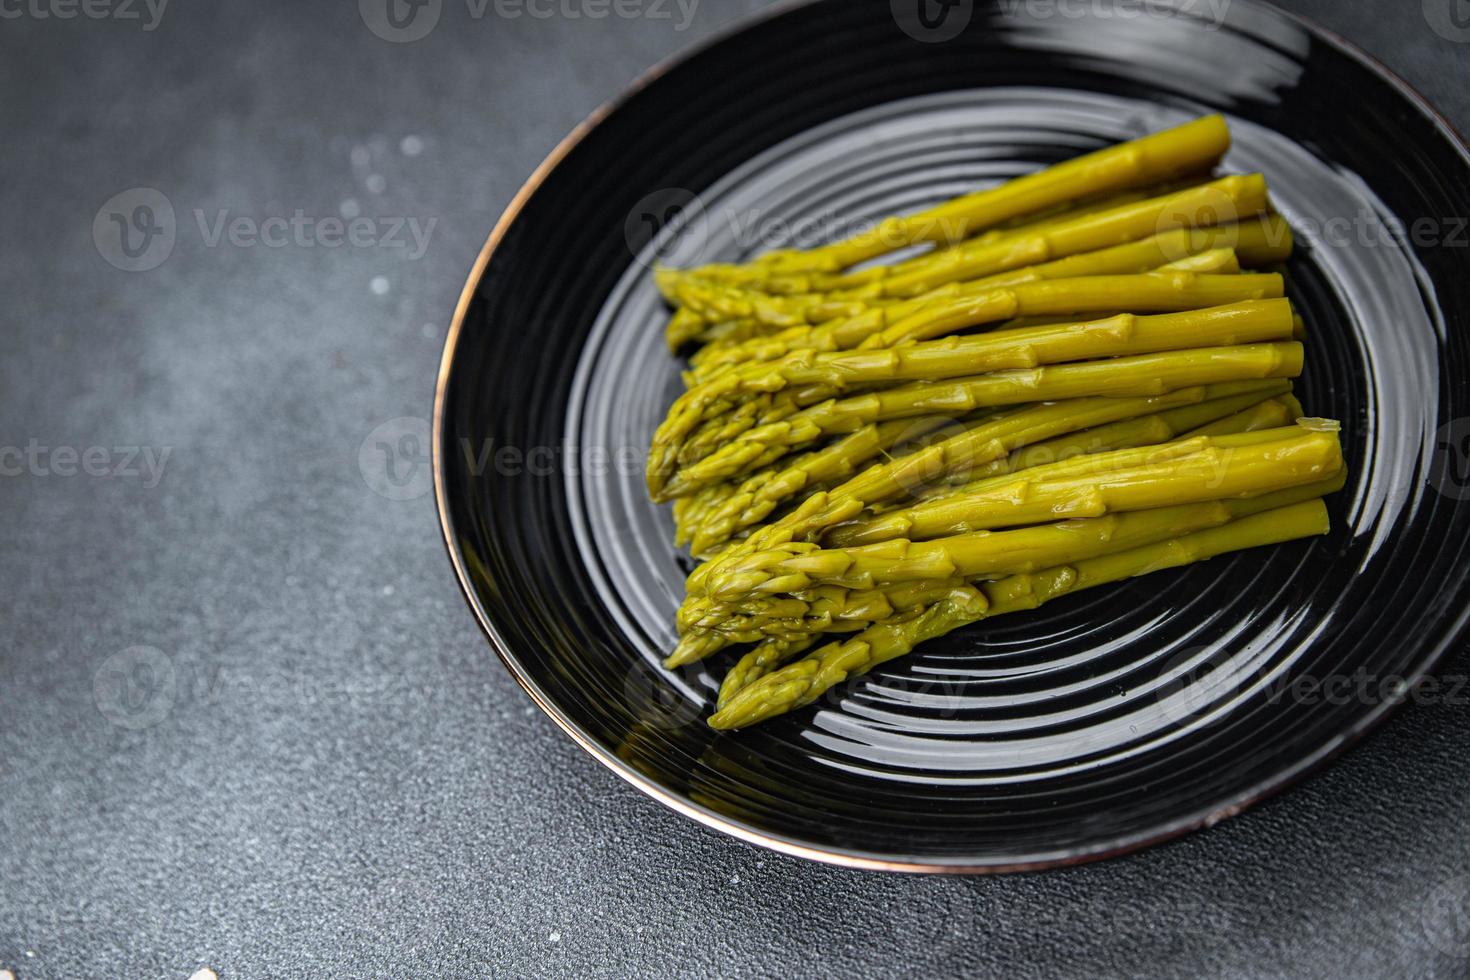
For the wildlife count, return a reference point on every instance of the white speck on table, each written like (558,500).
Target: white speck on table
(205,974)
(411,146)
(349,208)
(555,937)
(379,285)
(376,183)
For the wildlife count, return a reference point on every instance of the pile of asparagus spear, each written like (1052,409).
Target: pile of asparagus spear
(1077,377)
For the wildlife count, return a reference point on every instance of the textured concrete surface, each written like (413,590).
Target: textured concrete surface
(246,721)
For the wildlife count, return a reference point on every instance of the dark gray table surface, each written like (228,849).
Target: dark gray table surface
(333,776)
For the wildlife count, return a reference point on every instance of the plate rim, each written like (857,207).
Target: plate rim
(1253,794)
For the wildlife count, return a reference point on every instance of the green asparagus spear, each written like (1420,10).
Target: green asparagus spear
(751,502)
(777,624)
(1225,201)
(1272,414)
(1155,292)
(955,455)
(802,682)
(1140,375)
(1185,149)
(1252,321)
(947,309)
(776,599)
(754,498)
(962,453)
(1255,242)
(947,538)
(1228,200)
(1221,416)
(1198,468)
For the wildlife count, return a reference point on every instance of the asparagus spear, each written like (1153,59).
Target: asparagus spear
(1255,242)
(774,623)
(1154,292)
(739,418)
(1221,416)
(1252,321)
(1147,293)
(973,447)
(768,655)
(1139,375)
(725,416)
(877,551)
(752,501)
(1060,253)
(754,498)
(802,682)
(775,598)
(1192,147)
(670,280)
(1270,414)
(961,453)
(1196,468)
(1227,200)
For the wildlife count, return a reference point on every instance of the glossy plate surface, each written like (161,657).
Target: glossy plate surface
(1104,721)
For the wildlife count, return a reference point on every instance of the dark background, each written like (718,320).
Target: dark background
(334,776)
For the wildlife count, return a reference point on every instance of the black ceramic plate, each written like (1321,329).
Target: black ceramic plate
(1100,723)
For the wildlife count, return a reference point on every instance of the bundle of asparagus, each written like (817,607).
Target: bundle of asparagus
(1085,377)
